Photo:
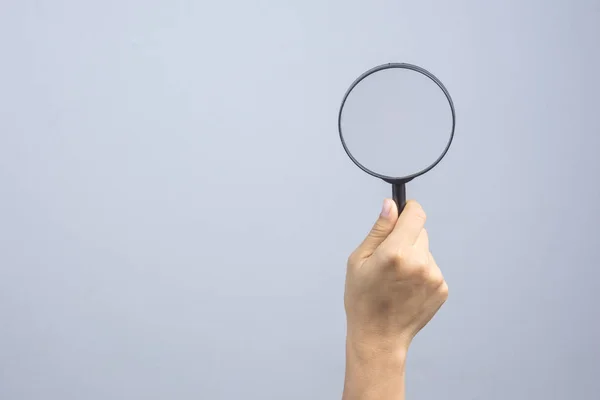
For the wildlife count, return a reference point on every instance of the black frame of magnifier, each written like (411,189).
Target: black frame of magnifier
(398,183)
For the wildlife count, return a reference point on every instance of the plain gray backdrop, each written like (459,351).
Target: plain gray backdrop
(176,209)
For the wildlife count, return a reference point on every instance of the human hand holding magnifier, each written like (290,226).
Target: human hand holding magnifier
(396,122)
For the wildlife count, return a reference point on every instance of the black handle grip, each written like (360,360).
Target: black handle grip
(399,195)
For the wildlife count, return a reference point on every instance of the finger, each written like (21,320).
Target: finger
(380,231)
(423,240)
(408,227)
(433,262)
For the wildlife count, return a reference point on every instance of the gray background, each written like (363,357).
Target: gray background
(176,209)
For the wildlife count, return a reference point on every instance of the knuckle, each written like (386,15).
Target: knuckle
(393,257)
(436,279)
(418,270)
(426,273)
(443,290)
(419,262)
(399,258)
(405,260)
(410,263)
(352,259)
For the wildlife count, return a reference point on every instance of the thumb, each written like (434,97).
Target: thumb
(380,231)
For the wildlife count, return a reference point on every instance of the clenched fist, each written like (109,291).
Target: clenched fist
(393,289)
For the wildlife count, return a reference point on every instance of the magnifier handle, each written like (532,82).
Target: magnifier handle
(399,195)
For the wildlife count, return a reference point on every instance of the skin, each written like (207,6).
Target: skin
(393,289)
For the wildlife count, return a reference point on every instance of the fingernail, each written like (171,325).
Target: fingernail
(387,207)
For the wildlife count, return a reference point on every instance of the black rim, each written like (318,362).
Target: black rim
(422,71)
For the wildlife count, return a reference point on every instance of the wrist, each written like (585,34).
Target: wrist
(375,369)
(365,344)
(381,352)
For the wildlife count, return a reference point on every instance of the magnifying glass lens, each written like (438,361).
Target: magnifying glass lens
(396,122)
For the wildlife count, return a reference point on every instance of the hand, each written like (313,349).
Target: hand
(393,289)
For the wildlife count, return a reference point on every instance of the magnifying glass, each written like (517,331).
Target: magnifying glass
(396,122)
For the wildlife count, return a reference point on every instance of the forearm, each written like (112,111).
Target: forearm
(373,373)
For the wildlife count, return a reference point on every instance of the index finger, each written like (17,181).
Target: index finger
(408,227)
